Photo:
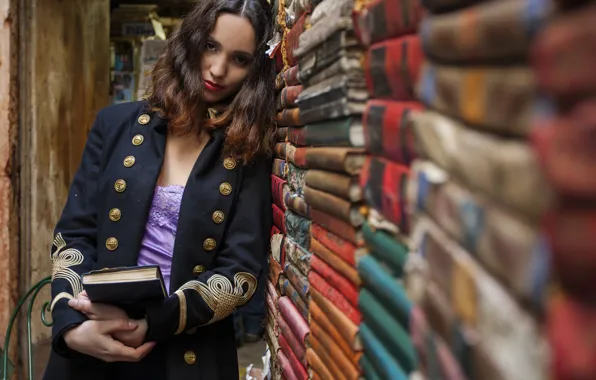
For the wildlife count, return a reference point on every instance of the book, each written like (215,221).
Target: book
(128,287)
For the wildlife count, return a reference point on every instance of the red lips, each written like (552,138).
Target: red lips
(213,86)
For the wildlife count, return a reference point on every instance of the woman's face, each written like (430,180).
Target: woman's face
(227,58)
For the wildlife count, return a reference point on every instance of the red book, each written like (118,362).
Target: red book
(392,68)
(571,331)
(297,347)
(339,246)
(279,218)
(279,187)
(384,187)
(286,367)
(333,295)
(293,318)
(335,279)
(387,129)
(298,370)
(337,226)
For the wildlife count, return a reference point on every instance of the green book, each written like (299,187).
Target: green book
(381,360)
(385,288)
(394,337)
(386,249)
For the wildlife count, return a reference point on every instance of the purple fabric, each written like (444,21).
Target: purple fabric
(157,246)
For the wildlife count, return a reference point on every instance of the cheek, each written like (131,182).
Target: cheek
(237,77)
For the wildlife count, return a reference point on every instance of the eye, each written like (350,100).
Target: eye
(211,46)
(242,61)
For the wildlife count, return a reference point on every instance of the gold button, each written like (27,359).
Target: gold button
(197,270)
(229,163)
(137,140)
(144,119)
(209,244)
(129,161)
(112,243)
(225,188)
(115,215)
(218,216)
(120,185)
(190,357)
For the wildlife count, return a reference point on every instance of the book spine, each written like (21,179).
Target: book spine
(289,117)
(379,356)
(298,280)
(330,364)
(279,168)
(288,96)
(297,156)
(299,258)
(328,203)
(333,183)
(387,129)
(334,134)
(389,292)
(392,68)
(280,150)
(335,279)
(294,319)
(347,328)
(336,226)
(384,187)
(386,249)
(325,323)
(286,366)
(297,204)
(293,38)
(297,136)
(291,77)
(287,289)
(281,133)
(349,370)
(335,262)
(337,245)
(315,362)
(386,19)
(394,336)
(298,228)
(278,188)
(296,179)
(336,297)
(279,219)
(298,349)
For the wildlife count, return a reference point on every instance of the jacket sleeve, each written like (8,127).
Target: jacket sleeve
(216,293)
(74,247)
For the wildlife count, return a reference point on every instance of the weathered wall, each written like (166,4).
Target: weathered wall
(65,79)
(9,223)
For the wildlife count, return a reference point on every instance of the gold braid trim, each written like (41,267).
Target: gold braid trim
(220,295)
(62,260)
(183,311)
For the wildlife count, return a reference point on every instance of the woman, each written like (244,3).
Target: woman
(182,181)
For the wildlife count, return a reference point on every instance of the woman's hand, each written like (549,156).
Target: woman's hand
(94,338)
(133,338)
(96,311)
(104,312)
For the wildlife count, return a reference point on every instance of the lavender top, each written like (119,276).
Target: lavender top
(157,246)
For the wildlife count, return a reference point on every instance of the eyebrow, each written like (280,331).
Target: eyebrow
(242,52)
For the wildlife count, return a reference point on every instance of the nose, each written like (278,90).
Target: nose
(218,67)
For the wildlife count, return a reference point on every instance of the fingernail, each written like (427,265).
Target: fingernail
(72,303)
(132,324)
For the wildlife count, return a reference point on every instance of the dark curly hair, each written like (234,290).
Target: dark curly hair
(177,85)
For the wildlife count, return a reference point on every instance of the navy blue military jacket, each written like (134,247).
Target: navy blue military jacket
(220,247)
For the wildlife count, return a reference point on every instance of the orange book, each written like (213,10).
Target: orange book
(316,365)
(349,369)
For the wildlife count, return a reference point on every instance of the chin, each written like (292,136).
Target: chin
(210,97)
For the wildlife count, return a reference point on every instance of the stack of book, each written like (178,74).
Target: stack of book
(388,30)
(289,287)
(329,146)
(565,66)
(478,269)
